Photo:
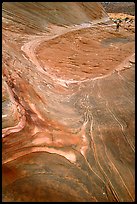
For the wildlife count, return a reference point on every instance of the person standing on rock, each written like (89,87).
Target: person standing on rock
(117,26)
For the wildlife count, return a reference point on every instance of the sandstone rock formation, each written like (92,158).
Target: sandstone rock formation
(67,105)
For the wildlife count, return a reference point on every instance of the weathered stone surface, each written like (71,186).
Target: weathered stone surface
(68,104)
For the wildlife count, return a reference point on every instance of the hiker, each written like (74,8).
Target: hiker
(117,26)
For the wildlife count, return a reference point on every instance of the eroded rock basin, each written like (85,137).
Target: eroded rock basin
(85,53)
(68,112)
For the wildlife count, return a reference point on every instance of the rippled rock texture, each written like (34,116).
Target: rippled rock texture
(67,105)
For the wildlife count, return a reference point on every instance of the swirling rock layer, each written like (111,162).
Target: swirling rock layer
(68,104)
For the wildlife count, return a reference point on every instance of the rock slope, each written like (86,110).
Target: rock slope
(68,104)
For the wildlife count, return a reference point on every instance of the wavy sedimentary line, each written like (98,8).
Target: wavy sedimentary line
(111,187)
(110,183)
(115,167)
(122,128)
(91,169)
(92,140)
(113,193)
(95,154)
(94,148)
(96,158)
(84,147)
(68,155)
(87,145)
(112,114)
